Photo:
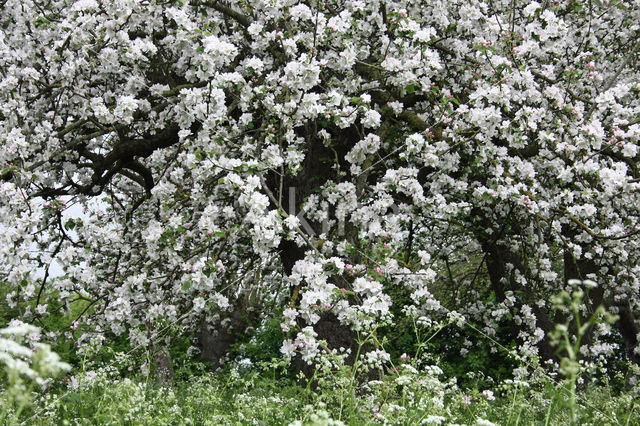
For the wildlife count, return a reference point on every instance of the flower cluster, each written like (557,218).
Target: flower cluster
(334,160)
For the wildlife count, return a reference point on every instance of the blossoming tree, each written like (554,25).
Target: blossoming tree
(333,153)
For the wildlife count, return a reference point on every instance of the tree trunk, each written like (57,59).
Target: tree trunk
(497,259)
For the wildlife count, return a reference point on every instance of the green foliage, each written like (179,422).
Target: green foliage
(264,341)
(27,363)
(425,381)
(569,343)
(479,367)
(405,394)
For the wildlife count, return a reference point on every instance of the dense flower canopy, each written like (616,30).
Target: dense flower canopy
(339,157)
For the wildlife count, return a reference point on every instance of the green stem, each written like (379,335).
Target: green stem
(548,415)
(24,401)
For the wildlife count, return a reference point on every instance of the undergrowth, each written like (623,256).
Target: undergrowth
(114,385)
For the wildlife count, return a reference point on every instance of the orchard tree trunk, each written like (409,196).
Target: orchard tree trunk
(215,344)
(501,281)
(162,369)
(626,323)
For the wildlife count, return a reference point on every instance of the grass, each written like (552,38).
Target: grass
(266,396)
(108,386)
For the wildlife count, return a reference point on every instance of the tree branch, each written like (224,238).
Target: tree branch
(227,11)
